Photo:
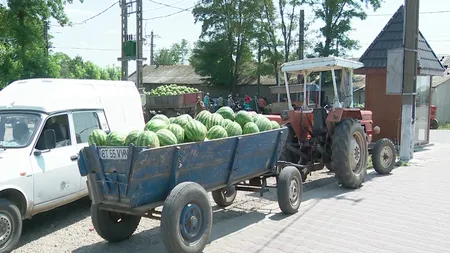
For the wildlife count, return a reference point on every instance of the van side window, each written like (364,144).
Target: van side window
(85,123)
(59,124)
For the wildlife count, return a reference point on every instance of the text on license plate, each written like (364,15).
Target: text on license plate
(113,153)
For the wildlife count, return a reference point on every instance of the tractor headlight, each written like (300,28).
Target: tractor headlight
(285,115)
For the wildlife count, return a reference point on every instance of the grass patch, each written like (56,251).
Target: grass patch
(445,126)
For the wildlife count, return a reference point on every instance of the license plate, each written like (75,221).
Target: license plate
(113,153)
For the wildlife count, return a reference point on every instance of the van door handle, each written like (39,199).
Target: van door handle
(74,157)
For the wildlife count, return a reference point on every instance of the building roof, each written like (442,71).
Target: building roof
(391,37)
(182,75)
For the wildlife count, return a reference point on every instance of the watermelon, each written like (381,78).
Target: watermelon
(161,117)
(215,120)
(97,137)
(166,137)
(155,124)
(178,131)
(203,116)
(243,117)
(115,139)
(189,117)
(195,131)
(226,112)
(216,132)
(250,128)
(263,124)
(233,129)
(172,119)
(147,139)
(257,116)
(274,124)
(226,122)
(182,120)
(132,137)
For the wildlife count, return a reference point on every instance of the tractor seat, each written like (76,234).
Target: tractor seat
(319,121)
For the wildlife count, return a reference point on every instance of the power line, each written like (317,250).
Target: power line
(388,15)
(171,14)
(166,5)
(162,7)
(96,15)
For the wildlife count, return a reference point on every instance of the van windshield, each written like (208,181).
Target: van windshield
(17,129)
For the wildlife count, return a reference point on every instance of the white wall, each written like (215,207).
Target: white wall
(440,97)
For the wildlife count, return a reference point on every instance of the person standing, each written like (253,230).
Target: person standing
(247,100)
(220,102)
(206,101)
(261,104)
(200,106)
(230,101)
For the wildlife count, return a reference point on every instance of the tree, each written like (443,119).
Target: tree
(230,25)
(337,16)
(174,55)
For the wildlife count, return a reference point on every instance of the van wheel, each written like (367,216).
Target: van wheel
(10,225)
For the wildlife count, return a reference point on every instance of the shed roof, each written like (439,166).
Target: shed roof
(184,75)
(391,37)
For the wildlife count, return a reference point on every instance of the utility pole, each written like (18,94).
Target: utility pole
(139,44)
(46,37)
(410,45)
(152,48)
(301,41)
(132,50)
(124,16)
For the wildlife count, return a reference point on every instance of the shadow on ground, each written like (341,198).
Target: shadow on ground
(46,223)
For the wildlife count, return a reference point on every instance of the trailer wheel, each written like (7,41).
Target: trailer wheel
(112,226)
(289,190)
(434,124)
(10,225)
(383,156)
(186,219)
(224,197)
(349,153)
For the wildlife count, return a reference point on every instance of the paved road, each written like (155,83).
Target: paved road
(407,211)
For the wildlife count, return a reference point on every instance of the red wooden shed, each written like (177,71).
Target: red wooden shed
(387,109)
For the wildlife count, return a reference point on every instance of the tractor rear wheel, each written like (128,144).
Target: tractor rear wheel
(349,153)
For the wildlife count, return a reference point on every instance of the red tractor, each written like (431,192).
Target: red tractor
(337,136)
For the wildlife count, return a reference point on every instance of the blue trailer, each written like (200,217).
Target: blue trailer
(127,183)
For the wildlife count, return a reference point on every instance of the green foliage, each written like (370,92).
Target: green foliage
(23,44)
(337,16)
(174,55)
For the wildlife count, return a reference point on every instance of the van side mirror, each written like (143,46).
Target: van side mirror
(50,139)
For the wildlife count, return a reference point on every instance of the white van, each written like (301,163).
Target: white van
(43,125)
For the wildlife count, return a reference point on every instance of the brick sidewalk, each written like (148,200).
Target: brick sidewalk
(408,211)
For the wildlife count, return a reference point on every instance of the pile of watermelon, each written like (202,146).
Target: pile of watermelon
(162,131)
(171,89)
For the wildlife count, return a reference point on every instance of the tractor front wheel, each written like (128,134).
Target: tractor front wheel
(349,153)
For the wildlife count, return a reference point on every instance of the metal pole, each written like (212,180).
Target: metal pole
(151,49)
(124,16)
(139,44)
(410,44)
(301,40)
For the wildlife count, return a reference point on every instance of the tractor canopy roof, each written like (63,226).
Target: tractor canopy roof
(307,66)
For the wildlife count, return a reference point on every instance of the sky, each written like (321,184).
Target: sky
(98,39)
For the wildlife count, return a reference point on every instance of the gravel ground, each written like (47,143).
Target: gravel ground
(69,228)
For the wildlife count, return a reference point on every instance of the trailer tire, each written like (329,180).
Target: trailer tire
(186,219)
(113,227)
(223,198)
(289,190)
(11,220)
(349,153)
(383,156)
